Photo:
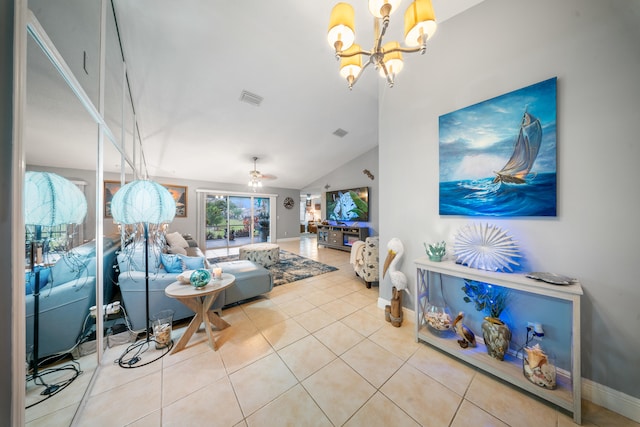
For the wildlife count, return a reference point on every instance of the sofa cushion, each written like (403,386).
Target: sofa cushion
(30,279)
(176,239)
(172,263)
(69,267)
(192,263)
(132,258)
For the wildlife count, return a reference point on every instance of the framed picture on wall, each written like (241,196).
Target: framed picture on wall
(498,157)
(179,193)
(110,188)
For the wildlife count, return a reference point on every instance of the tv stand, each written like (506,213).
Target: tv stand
(340,236)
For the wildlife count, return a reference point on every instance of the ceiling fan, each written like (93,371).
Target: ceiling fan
(255,177)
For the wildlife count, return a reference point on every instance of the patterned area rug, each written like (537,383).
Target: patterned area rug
(291,267)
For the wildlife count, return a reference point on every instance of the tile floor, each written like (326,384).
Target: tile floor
(316,352)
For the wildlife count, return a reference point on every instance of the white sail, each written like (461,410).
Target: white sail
(525,152)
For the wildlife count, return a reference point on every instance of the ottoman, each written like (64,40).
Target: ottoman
(265,254)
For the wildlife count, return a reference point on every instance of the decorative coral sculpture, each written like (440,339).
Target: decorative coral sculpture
(436,251)
(486,247)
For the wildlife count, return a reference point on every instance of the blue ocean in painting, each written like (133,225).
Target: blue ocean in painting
(482,197)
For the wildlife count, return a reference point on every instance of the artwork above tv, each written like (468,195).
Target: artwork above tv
(348,205)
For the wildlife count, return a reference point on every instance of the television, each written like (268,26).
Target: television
(348,205)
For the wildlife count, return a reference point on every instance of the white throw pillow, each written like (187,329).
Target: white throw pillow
(176,239)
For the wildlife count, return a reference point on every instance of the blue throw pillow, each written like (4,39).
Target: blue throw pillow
(172,263)
(192,262)
(30,279)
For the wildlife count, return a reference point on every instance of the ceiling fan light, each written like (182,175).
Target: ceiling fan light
(376,7)
(419,19)
(393,60)
(351,65)
(341,32)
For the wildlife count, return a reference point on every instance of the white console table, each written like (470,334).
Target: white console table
(567,395)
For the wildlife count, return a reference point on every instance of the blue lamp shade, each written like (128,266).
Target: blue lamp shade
(143,202)
(50,199)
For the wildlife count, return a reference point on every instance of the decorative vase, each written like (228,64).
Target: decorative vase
(496,336)
(200,278)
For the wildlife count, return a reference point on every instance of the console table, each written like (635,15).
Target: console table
(567,395)
(340,236)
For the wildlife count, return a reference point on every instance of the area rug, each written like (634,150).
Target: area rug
(291,267)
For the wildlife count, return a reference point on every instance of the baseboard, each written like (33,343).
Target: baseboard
(611,399)
(288,239)
(601,395)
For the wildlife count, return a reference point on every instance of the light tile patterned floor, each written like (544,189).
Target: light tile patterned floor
(314,353)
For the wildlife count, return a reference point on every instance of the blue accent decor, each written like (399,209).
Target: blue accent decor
(50,199)
(192,263)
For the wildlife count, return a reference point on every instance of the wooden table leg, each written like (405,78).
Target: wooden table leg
(184,339)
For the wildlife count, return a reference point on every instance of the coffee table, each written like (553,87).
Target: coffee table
(200,300)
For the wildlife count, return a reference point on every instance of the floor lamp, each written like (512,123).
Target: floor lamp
(142,202)
(49,200)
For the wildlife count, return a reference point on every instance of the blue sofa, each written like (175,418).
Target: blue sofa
(251,280)
(67,291)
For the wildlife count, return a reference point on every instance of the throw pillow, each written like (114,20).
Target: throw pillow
(30,279)
(176,239)
(177,250)
(172,263)
(192,262)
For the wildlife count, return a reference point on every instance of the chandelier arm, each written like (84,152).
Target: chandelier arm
(348,55)
(355,79)
(379,32)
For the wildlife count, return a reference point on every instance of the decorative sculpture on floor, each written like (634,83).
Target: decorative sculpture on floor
(395,250)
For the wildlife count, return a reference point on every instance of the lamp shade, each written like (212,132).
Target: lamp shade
(375,7)
(50,199)
(419,19)
(342,26)
(351,65)
(143,202)
(392,60)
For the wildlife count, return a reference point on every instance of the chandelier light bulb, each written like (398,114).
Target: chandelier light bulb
(383,8)
(341,32)
(419,23)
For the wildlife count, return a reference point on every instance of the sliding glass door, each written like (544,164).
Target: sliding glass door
(236,220)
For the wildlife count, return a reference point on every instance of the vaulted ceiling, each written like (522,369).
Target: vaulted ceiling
(189,62)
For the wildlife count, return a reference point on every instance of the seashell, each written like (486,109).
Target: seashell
(535,356)
(486,247)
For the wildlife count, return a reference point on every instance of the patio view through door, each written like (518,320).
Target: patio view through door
(237,220)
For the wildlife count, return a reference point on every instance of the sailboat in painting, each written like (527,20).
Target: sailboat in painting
(525,152)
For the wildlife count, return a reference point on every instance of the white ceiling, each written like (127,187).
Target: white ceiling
(189,61)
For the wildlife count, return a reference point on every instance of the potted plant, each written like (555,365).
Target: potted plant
(491,300)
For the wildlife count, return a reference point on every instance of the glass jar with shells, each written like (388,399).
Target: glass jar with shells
(437,314)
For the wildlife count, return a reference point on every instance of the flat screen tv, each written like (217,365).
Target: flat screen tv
(348,205)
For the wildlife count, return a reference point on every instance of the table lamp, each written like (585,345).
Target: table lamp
(142,202)
(49,200)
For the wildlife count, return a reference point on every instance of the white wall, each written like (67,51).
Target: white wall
(503,45)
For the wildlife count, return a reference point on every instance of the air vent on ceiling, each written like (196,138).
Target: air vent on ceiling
(250,98)
(340,132)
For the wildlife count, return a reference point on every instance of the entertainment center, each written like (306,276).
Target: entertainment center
(340,236)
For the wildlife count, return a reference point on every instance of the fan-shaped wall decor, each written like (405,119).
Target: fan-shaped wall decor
(486,247)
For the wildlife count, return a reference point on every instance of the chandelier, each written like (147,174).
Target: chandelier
(255,177)
(419,26)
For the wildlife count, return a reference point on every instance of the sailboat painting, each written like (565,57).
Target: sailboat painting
(498,157)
